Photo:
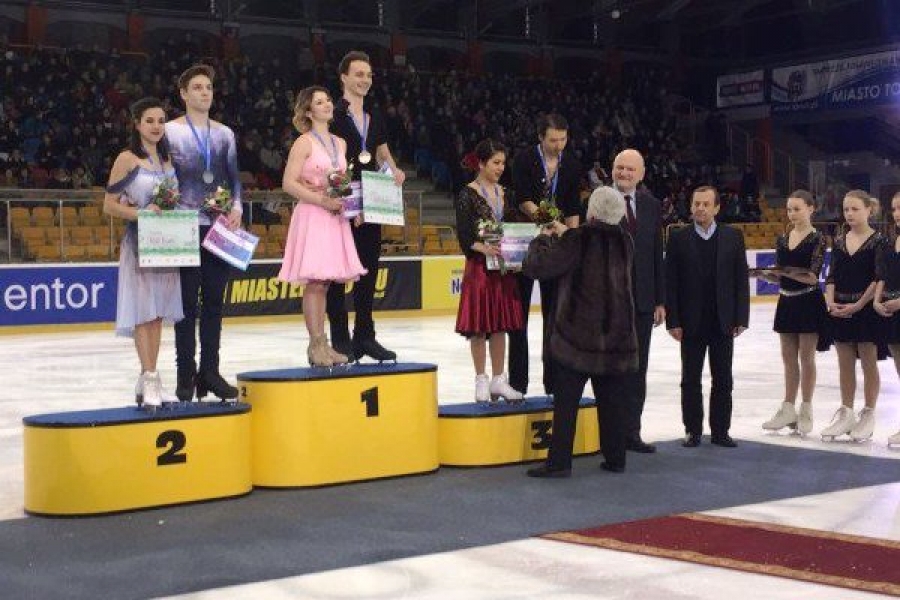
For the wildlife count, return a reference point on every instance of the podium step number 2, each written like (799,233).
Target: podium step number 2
(102,461)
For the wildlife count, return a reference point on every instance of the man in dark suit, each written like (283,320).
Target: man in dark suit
(542,172)
(707,306)
(643,222)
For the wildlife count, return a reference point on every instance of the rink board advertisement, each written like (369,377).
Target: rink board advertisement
(57,294)
(258,291)
(866,80)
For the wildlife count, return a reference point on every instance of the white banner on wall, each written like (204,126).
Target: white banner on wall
(740,89)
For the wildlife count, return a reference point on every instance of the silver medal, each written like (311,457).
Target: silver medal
(365,157)
(208,176)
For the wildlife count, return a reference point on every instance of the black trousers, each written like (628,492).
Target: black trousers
(693,355)
(368,246)
(636,383)
(518,340)
(202,294)
(610,412)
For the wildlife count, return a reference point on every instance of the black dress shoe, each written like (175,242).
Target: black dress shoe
(723,440)
(371,348)
(612,468)
(544,472)
(640,446)
(691,440)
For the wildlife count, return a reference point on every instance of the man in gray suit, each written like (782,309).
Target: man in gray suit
(642,221)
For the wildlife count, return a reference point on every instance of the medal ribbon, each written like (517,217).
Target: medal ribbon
(362,131)
(161,170)
(496,207)
(205,148)
(333,153)
(551,183)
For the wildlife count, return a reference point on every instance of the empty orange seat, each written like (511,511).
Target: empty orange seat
(43,215)
(20,216)
(46,253)
(81,236)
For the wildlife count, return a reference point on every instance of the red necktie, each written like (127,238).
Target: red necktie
(629,215)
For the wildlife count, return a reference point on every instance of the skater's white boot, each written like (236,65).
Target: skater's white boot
(785,417)
(842,422)
(864,428)
(894,440)
(500,388)
(152,394)
(482,388)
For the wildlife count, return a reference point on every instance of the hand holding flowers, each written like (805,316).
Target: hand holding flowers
(337,190)
(219,202)
(338,184)
(546,213)
(490,233)
(165,194)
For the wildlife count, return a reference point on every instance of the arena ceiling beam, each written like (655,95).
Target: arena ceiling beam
(739,13)
(669,12)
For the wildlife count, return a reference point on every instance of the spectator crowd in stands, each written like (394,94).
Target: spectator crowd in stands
(65,115)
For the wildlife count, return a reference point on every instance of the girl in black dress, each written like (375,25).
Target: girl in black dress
(800,314)
(856,327)
(887,293)
(489,300)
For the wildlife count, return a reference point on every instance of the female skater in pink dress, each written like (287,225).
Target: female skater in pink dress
(319,248)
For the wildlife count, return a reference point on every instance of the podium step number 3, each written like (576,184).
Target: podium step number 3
(479,435)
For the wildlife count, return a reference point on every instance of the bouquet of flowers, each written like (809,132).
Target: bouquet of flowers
(547,212)
(338,184)
(219,202)
(165,194)
(491,232)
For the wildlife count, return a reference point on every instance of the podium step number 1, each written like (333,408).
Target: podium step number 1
(316,427)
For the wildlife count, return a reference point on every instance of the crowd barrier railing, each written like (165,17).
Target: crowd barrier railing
(69,225)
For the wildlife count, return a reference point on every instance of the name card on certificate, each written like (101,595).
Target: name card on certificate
(382,199)
(234,247)
(514,245)
(168,239)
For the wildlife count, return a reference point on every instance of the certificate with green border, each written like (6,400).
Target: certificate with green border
(382,199)
(168,239)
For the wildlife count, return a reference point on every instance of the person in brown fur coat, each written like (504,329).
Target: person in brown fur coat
(592,334)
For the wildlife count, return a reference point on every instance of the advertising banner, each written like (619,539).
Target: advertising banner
(740,89)
(865,80)
(69,294)
(257,291)
(54,294)
(442,281)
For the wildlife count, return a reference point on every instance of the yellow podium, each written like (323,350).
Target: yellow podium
(112,460)
(487,435)
(317,427)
